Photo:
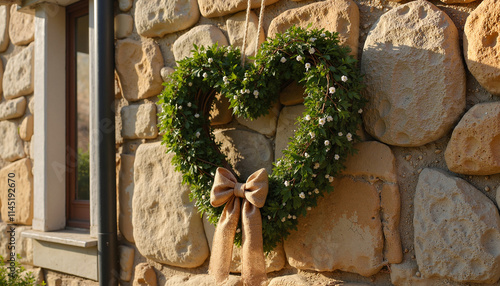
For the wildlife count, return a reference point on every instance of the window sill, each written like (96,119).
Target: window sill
(79,238)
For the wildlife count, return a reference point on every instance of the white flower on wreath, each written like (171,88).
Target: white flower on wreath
(205,75)
(331,90)
(256,92)
(299,58)
(312,40)
(283,219)
(312,134)
(225,79)
(306,155)
(329,118)
(189,104)
(316,191)
(190,84)
(302,195)
(360,111)
(210,60)
(197,134)
(308,66)
(341,134)
(322,121)
(349,137)
(307,117)
(323,35)
(283,60)
(196,115)
(330,179)
(327,142)
(316,165)
(336,157)
(344,78)
(312,50)
(289,216)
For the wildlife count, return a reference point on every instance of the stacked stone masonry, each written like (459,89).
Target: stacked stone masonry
(415,206)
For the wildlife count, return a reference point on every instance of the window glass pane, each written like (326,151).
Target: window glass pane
(82,106)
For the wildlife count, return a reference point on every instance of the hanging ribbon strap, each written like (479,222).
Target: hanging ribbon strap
(253,193)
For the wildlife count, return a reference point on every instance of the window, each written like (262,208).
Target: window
(77,115)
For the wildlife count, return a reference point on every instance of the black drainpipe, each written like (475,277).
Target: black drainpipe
(106,164)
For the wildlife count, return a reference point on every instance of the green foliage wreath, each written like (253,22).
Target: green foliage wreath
(316,153)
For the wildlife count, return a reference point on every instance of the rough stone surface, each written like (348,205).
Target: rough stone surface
(289,280)
(138,65)
(220,113)
(474,147)
(265,124)
(166,72)
(125,5)
(201,280)
(167,227)
(21,27)
(23,184)
(124,24)
(11,146)
(292,94)
(4,238)
(236,29)
(457,1)
(144,275)
(13,108)
(203,35)
(139,121)
(159,17)
(414,77)
(457,230)
(482,44)
(18,74)
(373,160)
(4,26)
(216,8)
(246,151)
(126,193)
(24,246)
(340,16)
(26,128)
(405,274)
(1,78)
(343,232)
(126,262)
(286,127)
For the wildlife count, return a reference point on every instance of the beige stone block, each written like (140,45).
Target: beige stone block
(482,45)
(11,146)
(124,24)
(474,145)
(220,112)
(217,8)
(166,72)
(236,29)
(144,275)
(343,232)
(21,27)
(457,1)
(246,151)
(126,262)
(415,84)
(20,200)
(139,121)
(340,16)
(286,127)
(138,65)
(24,246)
(125,5)
(292,94)
(289,280)
(31,104)
(374,160)
(456,230)
(18,74)
(405,274)
(4,32)
(390,206)
(265,124)
(167,226)
(13,108)
(4,237)
(126,193)
(203,35)
(1,78)
(26,128)
(159,17)
(201,280)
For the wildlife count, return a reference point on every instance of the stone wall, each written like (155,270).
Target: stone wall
(415,206)
(16,128)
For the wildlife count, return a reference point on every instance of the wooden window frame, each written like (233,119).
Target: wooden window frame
(77,211)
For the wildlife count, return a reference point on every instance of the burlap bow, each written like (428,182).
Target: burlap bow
(226,190)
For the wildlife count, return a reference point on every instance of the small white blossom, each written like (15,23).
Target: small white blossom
(294,217)
(322,121)
(316,191)
(306,155)
(203,197)
(307,117)
(210,60)
(283,60)
(323,35)
(180,107)
(238,230)
(336,157)
(225,79)
(189,104)
(327,142)
(205,75)
(349,137)
(289,216)
(330,179)
(331,90)
(247,91)
(327,176)
(341,134)
(283,219)
(278,163)
(256,92)
(299,58)
(269,217)
(197,134)
(287,183)
(329,118)
(309,208)
(312,51)
(242,91)
(197,115)
(360,111)
(302,195)
(316,165)
(235,97)
(284,204)
(314,175)
(308,66)
(344,78)
(312,39)
(312,134)
(309,193)
(190,84)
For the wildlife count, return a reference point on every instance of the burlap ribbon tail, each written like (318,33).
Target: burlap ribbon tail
(239,198)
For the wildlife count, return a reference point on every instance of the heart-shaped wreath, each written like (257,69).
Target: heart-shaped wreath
(316,153)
